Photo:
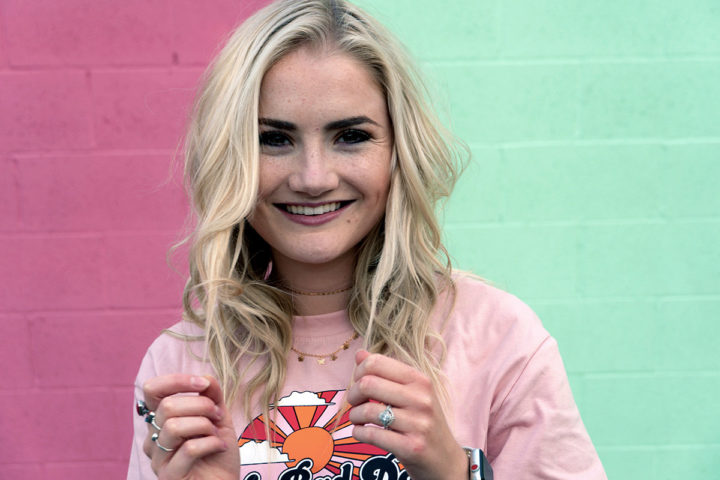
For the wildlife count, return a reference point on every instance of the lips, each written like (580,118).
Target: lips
(312,210)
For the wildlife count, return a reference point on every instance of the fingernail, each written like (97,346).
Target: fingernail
(200,382)
(218,413)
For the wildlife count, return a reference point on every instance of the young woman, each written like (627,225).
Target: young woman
(325,335)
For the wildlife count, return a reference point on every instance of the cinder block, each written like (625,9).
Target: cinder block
(143,109)
(689,181)
(123,412)
(59,426)
(51,273)
(689,332)
(649,259)
(101,193)
(3,48)
(458,30)
(22,471)
(653,409)
(604,335)
(533,262)
(559,28)
(581,183)
(63,471)
(106,347)
(9,205)
(632,100)
(509,103)
(480,194)
(87,32)
(137,274)
(16,353)
(210,23)
(44,110)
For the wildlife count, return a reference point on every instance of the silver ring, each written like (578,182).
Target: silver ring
(155,425)
(386,417)
(154,438)
(150,418)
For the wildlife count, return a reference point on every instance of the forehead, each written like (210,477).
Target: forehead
(312,78)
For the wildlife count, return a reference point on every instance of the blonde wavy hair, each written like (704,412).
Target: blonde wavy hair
(402,266)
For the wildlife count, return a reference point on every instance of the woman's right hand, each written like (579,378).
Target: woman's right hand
(198,429)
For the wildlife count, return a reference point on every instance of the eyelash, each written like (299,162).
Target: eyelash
(278,139)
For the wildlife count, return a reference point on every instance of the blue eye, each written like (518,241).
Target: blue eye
(274,139)
(353,136)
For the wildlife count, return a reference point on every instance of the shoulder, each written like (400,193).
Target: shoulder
(493,314)
(180,348)
(489,328)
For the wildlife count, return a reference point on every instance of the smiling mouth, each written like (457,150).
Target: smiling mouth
(314,210)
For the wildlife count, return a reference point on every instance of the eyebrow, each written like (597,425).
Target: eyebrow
(335,125)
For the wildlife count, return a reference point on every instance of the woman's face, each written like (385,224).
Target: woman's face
(326,147)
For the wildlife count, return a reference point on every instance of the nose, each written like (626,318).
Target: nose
(315,173)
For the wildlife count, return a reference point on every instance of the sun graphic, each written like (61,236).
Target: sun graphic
(306,425)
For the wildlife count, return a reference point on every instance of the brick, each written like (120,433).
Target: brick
(689,186)
(60,426)
(107,347)
(101,193)
(639,405)
(533,262)
(143,109)
(63,471)
(479,194)
(649,100)
(9,205)
(44,110)
(510,103)
(210,23)
(649,259)
(88,32)
(558,28)
(581,183)
(15,356)
(50,273)
(605,336)
(137,274)
(467,29)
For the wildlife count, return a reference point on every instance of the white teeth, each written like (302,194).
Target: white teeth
(319,210)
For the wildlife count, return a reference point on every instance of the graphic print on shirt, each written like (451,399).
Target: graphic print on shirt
(311,439)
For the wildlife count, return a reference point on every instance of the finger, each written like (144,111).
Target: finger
(175,432)
(214,393)
(163,386)
(392,441)
(187,406)
(386,367)
(369,413)
(192,450)
(378,389)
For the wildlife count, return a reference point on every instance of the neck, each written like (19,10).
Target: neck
(331,279)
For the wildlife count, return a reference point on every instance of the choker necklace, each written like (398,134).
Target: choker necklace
(321,358)
(318,294)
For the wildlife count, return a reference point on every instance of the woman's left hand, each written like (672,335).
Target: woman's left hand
(419,437)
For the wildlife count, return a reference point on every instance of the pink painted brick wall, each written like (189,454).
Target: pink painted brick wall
(94,96)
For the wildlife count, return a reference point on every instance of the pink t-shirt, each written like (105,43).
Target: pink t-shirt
(507,385)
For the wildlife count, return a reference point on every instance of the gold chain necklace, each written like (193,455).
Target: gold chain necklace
(317,294)
(321,358)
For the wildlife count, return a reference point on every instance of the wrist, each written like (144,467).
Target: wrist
(478,465)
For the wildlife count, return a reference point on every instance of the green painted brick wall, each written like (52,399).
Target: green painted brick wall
(593,195)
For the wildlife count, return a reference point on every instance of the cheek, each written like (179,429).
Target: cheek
(270,177)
